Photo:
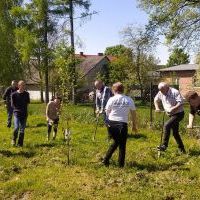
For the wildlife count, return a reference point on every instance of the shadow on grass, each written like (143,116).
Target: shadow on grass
(36,125)
(45,145)
(151,167)
(41,125)
(26,154)
(194,152)
(137,136)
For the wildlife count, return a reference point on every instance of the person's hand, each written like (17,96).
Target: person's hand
(134,129)
(158,110)
(189,126)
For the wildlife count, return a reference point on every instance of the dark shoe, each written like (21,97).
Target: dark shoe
(161,148)
(182,150)
(19,145)
(105,162)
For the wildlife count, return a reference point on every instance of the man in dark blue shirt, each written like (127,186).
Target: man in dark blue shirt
(7,99)
(19,101)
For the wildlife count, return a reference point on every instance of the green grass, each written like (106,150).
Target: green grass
(39,170)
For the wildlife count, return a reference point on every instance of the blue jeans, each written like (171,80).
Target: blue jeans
(10,113)
(20,125)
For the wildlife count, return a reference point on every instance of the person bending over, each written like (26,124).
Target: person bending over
(172,102)
(194,100)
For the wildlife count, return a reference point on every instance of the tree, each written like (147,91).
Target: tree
(118,51)
(119,67)
(10,62)
(141,43)
(41,22)
(197,74)
(178,21)
(177,57)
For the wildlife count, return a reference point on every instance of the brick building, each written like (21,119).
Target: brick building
(183,75)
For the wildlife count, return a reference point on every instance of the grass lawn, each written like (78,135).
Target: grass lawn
(39,170)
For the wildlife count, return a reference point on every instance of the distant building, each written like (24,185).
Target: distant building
(90,66)
(182,75)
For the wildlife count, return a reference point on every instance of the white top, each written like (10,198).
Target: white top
(118,107)
(169,100)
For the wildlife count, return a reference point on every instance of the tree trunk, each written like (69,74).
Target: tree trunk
(73,69)
(138,72)
(46,53)
(41,94)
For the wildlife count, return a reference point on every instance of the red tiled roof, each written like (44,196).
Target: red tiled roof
(90,61)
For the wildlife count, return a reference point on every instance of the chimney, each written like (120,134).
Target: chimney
(81,53)
(100,54)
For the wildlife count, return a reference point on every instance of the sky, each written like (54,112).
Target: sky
(103,29)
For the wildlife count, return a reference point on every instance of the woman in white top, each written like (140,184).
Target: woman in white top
(117,109)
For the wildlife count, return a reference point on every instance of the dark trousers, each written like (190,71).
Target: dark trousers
(54,124)
(10,114)
(19,126)
(118,132)
(173,123)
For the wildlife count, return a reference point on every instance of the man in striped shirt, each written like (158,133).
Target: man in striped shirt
(103,93)
(172,102)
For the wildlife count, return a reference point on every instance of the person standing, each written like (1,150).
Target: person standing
(103,93)
(7,99)
(19,101)
(52,115)
(194,100)
(172,102)
(117,110)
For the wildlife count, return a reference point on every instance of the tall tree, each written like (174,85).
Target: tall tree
(178,20)
(118,51)
(178,57)
(10,63)
(41,20)
(119,68)
(141,43)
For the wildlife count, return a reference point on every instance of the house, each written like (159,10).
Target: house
(91,66)
(183,75)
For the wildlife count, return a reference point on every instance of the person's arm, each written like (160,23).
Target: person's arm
(191,120)
(28,99)
(6,94)
(47,112)
(133,120)
(108,107)
(157,102)
(98,104)
(13,101)
(179,100)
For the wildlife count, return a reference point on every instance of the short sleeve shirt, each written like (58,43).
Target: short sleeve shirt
(118,108)
(169,100)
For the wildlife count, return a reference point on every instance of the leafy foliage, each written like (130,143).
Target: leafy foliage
(177,20)
(177,57)
(10,62)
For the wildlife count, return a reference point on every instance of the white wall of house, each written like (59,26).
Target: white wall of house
(35,95)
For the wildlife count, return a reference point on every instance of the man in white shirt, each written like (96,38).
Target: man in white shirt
(117,110)
(172,102)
